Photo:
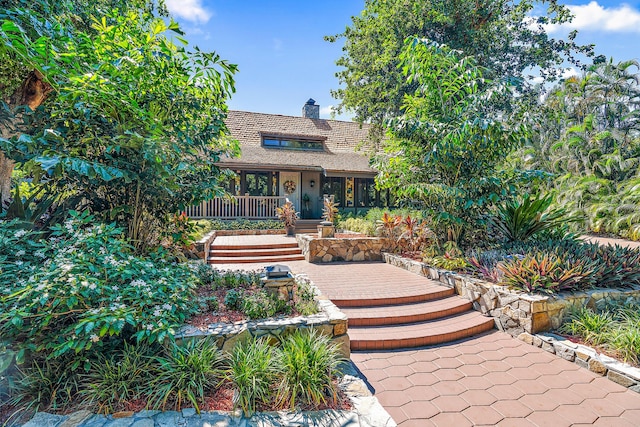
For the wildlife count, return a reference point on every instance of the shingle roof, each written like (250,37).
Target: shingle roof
(340,140)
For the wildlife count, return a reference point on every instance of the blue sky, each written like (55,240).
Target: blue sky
(283,59)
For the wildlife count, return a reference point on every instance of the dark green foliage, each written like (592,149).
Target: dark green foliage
(309,365)
(83,288)
(246,224)
(262,304)
(498,33)
(134,123)
(187,373)
(254,366)
(233,299)
(520,220)
(119,377)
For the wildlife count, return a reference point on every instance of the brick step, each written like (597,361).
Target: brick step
(254,252)
(218,247)
(419,334)
(248,260)
(407,313)
(428,292)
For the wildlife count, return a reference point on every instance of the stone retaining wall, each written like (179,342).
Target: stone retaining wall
(586,357)
(514,311)
(329,321)
(319,250)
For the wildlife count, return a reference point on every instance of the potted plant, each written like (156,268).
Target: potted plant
(288,215)
(329,212)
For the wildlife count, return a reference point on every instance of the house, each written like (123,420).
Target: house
(299,158)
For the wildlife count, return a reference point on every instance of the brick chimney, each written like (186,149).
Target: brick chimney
(311,110)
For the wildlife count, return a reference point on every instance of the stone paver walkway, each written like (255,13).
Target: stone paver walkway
(492,379)
(612,241)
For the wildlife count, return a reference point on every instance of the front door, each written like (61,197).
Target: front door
(290,187)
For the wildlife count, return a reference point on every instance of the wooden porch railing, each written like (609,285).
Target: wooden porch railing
(249,207)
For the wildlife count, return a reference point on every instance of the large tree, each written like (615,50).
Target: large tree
(21,85)
(134,122)
(445,150)
(502,35)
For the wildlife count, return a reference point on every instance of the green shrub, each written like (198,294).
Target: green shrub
(626,342)
(254,370)
(90,287)
(119,377)
(186,373)
(233,299)
(374,215)
(309,366)
(208,303)
(45,385)
(588,324)
(359,225)
(304,297)
(245,224)
(262,304)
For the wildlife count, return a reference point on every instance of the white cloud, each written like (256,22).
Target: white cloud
(592,16)
(569,72)
(190,10)
(326,111)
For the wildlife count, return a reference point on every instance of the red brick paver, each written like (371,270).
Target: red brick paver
(493,379)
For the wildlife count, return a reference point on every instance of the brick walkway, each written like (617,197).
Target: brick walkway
(492,379)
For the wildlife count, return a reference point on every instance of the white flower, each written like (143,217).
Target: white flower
(92,286)
(167,307)
(20,253)
(20,233)
(138,283)
(19,263)
(157,312)
(39,254)
(149,327)
(115,288)
(94,338)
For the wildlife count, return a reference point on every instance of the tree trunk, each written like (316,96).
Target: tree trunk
(33,92)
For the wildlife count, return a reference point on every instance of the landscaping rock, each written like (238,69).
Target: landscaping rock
(597,366)
(43,419)
(76,418)
(621,379)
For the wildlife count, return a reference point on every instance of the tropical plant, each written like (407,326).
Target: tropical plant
(330,209)
(287,214)
(254,369)
(542,272)
(187,372)
(309,363)
(520,220)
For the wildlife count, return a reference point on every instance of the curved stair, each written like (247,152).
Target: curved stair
(389,308)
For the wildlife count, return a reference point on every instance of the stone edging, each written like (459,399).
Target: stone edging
(366,412)
(329,321)
(586,357)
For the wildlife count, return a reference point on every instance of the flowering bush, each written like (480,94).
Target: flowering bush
(88,287)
